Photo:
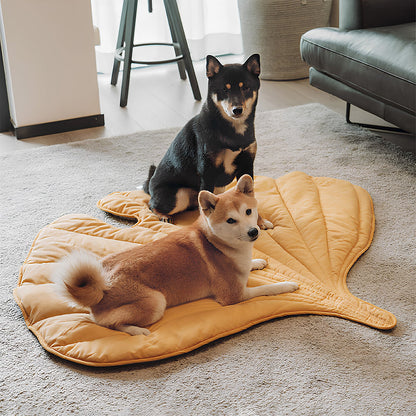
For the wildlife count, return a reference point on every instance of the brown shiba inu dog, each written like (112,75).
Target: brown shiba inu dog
(130,290)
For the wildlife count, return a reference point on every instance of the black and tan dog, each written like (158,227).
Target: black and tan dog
(215,146)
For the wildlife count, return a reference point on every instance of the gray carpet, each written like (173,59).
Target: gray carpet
(305,365)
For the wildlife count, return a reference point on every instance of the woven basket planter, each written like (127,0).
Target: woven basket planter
(273,29)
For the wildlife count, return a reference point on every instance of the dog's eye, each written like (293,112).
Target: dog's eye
(231,221)
(248,212)
(245,88)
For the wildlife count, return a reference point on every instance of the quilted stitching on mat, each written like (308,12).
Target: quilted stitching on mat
(322,226)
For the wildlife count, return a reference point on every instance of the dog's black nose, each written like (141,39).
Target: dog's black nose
(237,111)
(253,233)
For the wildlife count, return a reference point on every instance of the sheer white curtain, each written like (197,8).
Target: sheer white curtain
(211,27)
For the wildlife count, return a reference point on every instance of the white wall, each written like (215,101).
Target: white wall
(49,59)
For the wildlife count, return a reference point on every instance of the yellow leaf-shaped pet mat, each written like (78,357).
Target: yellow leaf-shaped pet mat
(321,227)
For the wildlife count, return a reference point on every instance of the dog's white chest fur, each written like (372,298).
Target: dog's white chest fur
(226,158)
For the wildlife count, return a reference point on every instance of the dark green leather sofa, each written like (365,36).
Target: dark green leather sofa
(370,60)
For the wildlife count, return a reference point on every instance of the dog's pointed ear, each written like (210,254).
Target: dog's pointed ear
(213,66)
(207,202)
(253,64)
(245,185)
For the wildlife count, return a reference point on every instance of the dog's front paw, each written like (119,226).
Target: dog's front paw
(290,286)
(265,224)
(258,264)
(134,330)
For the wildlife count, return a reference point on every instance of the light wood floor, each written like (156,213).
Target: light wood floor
(158,99)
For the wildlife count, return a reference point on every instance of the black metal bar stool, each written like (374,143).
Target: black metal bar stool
(125,45)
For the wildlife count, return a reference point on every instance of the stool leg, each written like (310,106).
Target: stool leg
(181,65)
(172,8)
(120,42)
(131,13)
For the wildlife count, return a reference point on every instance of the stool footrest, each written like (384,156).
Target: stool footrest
(119,54)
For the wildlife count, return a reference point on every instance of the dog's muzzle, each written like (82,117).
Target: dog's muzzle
(237,111)
(253,233)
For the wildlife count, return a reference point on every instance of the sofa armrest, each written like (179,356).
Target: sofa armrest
(361,14)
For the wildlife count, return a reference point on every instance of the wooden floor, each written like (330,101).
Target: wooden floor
(158,99)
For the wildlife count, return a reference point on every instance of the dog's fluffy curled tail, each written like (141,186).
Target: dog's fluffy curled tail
(149,176)
(79,278)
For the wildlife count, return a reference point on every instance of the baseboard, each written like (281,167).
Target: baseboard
(60,126)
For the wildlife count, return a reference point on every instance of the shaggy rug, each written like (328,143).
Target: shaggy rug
(302,365)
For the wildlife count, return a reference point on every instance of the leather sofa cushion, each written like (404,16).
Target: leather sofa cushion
(379,62)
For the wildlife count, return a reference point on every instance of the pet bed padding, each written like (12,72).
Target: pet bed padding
(321,227)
